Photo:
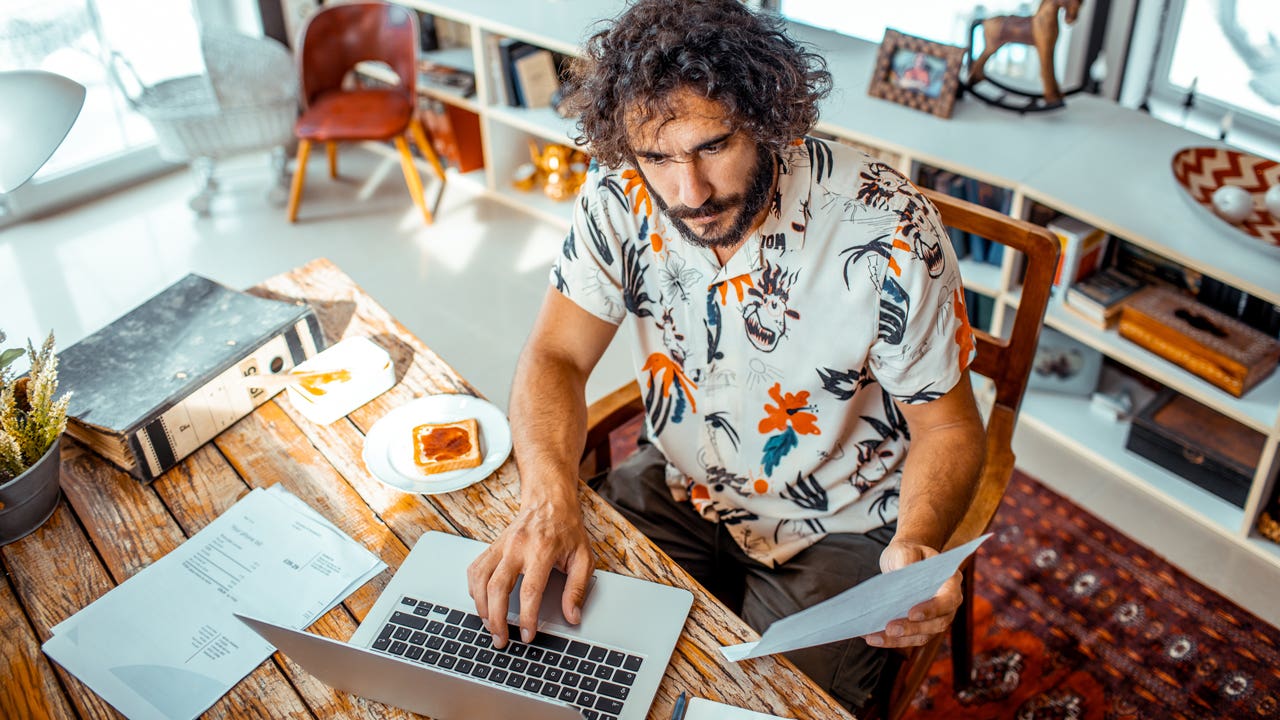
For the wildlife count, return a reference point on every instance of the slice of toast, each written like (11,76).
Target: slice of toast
(441,447)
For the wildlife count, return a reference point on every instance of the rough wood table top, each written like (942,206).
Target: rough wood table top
(108,527)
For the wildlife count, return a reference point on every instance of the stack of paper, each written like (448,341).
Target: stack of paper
(861,610)
(164,644)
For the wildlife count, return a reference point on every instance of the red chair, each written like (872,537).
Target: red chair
(334,40)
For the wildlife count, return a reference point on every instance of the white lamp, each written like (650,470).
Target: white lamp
(39,109)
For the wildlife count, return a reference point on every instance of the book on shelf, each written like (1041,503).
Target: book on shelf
(967,245)
(980,309)
(991,197)
(1100,297)
(447,77)
(951,184)
(535,78)
(427,39)
(1153,269)
(1083,250)
(162,380)
(454,134)
(512,52)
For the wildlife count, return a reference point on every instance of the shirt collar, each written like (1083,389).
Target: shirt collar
(784,226)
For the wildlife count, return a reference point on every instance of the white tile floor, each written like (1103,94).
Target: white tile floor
(469,286)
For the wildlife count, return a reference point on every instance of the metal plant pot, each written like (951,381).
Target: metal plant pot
(29,499)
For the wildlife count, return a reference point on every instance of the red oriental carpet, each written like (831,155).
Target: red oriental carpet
(1075,620)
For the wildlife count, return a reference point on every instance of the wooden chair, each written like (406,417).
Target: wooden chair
(333,41)
(1006,362)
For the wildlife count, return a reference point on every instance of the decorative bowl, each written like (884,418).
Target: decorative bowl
(1202,170)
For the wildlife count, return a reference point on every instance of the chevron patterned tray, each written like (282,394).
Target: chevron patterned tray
(1201,170)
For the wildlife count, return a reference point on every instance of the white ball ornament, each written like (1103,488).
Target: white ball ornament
(1272,201)
(1233,203)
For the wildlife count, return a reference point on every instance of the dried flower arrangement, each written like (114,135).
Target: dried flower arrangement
(31,419)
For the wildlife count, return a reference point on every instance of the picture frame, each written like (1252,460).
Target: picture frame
(921,74)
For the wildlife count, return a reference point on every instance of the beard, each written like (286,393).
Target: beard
(746,204)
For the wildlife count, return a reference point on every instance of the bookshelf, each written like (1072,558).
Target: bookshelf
(1106,165)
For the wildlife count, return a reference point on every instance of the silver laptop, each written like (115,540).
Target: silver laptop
(422,647)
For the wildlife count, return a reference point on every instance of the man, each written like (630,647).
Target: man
(796,317)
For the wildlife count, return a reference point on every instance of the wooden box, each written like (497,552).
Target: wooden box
(1218,348)
(1200,444)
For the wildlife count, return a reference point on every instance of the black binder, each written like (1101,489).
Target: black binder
(167,377)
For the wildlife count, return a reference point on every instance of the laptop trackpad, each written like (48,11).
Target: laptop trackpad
(549,612)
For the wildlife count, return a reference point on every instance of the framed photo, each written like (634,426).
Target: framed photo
(918,73)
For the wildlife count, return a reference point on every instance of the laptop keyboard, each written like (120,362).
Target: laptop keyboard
(594,679)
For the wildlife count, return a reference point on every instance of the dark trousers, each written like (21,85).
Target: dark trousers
(848,669)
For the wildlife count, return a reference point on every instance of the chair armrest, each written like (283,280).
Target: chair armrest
(603,417)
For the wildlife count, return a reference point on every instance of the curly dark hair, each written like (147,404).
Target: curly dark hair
(768,83)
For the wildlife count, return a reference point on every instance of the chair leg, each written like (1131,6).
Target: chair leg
(411,177)
(962,635)
(429,152)
(299,175)
(332,149)
(425,147)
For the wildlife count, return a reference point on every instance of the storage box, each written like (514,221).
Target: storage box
(1200,444)
(1218,348)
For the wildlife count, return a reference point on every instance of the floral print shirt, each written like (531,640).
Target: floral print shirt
(769,382)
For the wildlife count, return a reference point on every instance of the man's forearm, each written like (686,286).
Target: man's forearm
(548,426)
(938,482)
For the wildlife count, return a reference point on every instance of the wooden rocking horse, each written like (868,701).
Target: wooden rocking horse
(1039,31)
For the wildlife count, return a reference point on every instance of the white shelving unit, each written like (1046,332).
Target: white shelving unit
(1096,161)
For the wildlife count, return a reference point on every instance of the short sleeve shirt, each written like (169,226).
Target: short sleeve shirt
(769,382)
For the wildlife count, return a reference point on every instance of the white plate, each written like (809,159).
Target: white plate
(388,448)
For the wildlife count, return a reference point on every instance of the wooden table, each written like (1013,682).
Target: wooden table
(108,527)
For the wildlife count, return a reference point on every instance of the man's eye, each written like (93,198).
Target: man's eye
(656,161)
(712,150)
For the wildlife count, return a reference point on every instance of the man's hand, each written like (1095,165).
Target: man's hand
(543,535)
(927,619)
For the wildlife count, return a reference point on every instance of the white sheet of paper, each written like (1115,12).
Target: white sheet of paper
(861,610)
(164,644)
(704,709)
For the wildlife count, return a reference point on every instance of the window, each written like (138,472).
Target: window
(110,144)
(1225,56)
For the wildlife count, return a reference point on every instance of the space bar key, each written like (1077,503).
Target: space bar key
(549,642)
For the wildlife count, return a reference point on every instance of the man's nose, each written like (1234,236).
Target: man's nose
(694,189)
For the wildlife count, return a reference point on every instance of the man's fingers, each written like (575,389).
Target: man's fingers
(498,589)
(478,574)
(535,581)
(575,586)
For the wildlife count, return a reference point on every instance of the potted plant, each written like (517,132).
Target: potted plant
(31,425)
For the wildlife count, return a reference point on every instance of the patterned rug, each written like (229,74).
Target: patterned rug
(1075,620)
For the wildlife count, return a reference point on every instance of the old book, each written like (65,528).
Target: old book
(169,375)
(1083,247)
(454,133)
(536,79)
(511,51)
(1220,349)
(1100,296)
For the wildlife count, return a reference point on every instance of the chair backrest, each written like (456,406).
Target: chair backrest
(1006,361)
(339,36)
